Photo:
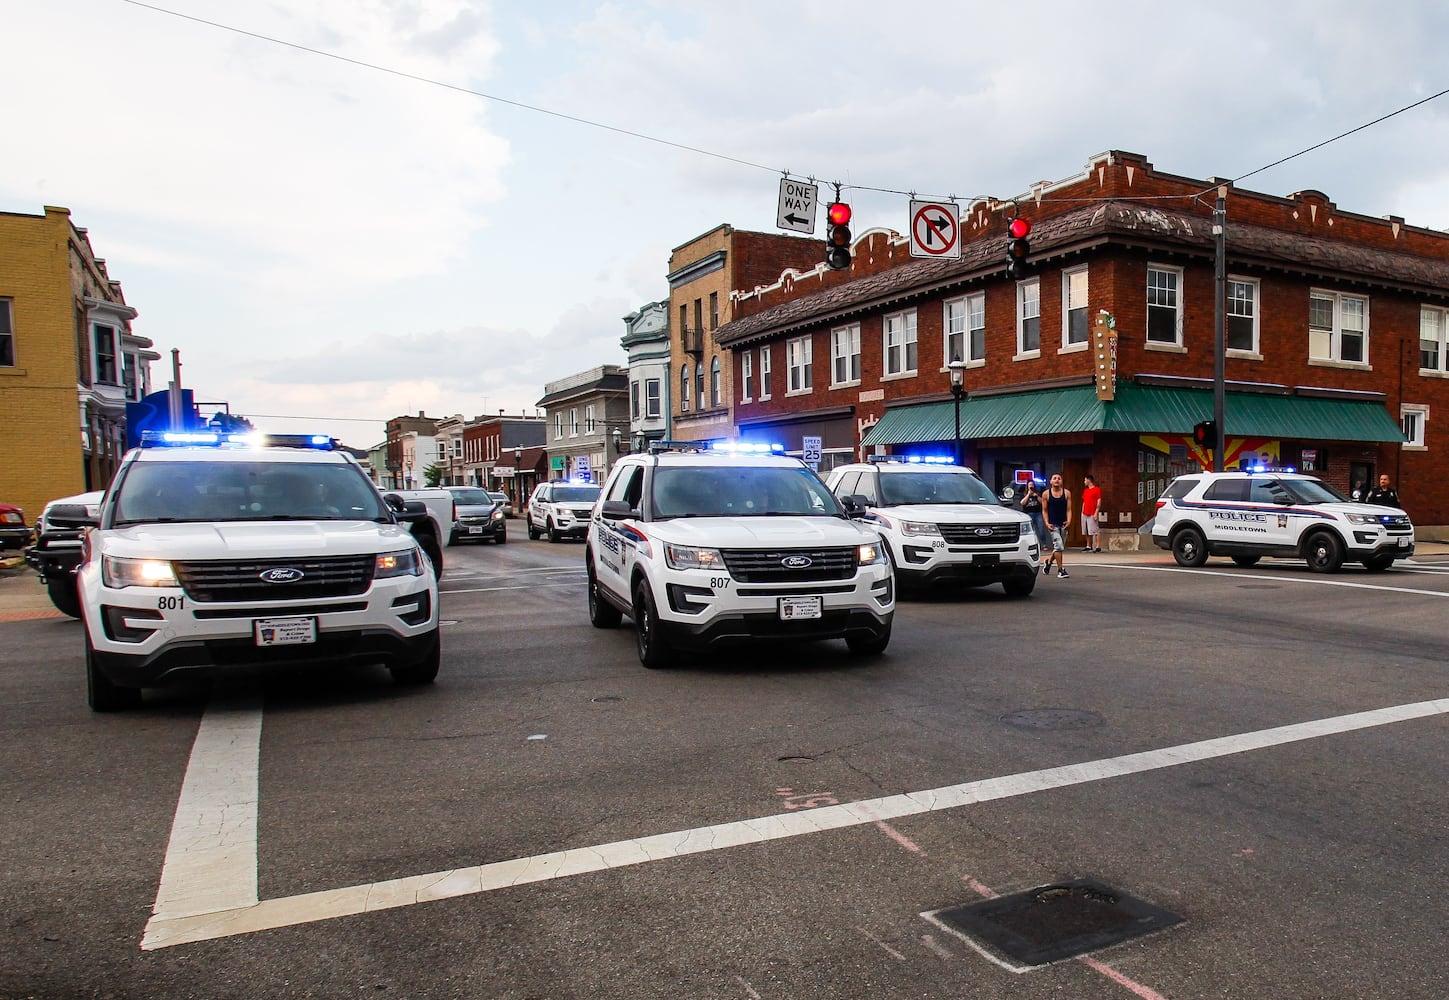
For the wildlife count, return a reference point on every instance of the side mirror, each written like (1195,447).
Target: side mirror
(71,515)
(393,501)
(855,504)
(411,510)
(616,510)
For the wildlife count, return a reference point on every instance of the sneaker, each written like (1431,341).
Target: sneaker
(1063,574)
(1087,549)
(1096,550)
(1046,569)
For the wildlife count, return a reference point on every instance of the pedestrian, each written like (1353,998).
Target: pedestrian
(1384,494)
(1031,507)
(1091,503)
(1058,505)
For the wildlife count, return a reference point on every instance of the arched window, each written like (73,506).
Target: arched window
(699,386)
(684,389)
(714,383)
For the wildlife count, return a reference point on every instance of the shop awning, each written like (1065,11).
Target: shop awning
(1140,410)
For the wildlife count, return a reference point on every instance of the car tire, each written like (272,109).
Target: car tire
(423,670)
(1378,564)
(102,694)
(1189,548)
(532,531)
(1323,552)
(1247,562)
(553,536)
(654,650)
(1020,586)
(869,645)
(602,614)
(502,538)
(64,594)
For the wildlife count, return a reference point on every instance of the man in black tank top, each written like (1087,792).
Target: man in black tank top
(1057,506)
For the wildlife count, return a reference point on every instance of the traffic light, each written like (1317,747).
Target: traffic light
(837,236)
(1205,434)
(1017,248)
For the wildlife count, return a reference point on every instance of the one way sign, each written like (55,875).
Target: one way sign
(797,205)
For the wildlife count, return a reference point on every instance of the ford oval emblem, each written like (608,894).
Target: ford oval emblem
(796,562)
(984,531)
(281,574)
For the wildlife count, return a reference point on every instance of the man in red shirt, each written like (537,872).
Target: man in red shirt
(1091,501)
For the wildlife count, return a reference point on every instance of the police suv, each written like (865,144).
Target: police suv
(1249,515)
(942,524)
(215,551)
(561,509)
(701,548)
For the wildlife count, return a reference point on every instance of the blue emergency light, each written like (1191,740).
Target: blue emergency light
(192,439)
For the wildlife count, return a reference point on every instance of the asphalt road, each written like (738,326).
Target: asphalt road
(1259,752)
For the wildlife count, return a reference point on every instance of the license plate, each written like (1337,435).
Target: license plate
(799,608)
(1403,543)
(284,631)
(472,530)
(986,559)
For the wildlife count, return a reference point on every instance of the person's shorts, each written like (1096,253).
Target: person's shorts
(1089,525)
(1058,544)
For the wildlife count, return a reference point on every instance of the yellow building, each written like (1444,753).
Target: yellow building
(69,362)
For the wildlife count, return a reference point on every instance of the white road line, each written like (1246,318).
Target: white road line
(530,586)
(167,929)
(1259,577)
(211,861)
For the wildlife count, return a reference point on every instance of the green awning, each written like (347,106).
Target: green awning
(1136,410)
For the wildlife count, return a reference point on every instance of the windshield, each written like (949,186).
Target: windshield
(933,487)
(498,497)
(740,491)
(246,491)
(575,494)
(472,496)
(1313,491)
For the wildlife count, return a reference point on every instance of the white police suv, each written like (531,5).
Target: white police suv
(560,509)
(218,551)
(1249,515)
(702,548)
(942,524)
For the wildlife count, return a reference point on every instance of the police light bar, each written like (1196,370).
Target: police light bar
(192,439)
(915,459)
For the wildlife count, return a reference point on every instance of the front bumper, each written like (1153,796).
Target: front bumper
(486,530)
(924,565)
(16,536)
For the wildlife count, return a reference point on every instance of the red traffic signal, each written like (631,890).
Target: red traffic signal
(837,236)
(1205,434)
(1018,248)
(1019,229)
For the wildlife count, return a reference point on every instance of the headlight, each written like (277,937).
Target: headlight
(872,553)
(910,528)
(406,562)
(689,557)
(498,515)
(119,573)
(12,517)
(1364,518)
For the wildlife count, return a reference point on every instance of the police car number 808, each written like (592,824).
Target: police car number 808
(1247,516)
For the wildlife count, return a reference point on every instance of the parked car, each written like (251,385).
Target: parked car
(15,533)
(503,499)
(57,552)
(477,516)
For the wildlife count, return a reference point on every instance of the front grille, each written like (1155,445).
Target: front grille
(972,534)
(1398,525)
(767,565)
(337,576)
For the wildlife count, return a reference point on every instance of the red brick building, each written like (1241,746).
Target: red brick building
(1337,337)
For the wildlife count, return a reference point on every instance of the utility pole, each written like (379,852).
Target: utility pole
(1220,289)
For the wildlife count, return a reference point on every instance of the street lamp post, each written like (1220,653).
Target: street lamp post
(958,389)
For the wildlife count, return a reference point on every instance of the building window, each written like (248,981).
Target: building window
(900,343)
(1074,307)
(845,354)
(684,326)
(764,373)
(574,422)
(7,335)
(699,324)
(747,376)
(798,361)
(1028,316)
(965,323)
(1242,301)
(105,341)
(558,425)
(651,397)
(1337,327)
(1433,327)
(589,424)
(684,389)
(1414,417)
(634,399)
(130,377)
(457,447)
(714,382)
(699,386)
(1164,305)
(714,310)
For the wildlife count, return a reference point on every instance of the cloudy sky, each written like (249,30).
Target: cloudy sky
(339,243)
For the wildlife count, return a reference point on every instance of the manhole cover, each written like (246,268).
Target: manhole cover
(1058,921)
(1054,718)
